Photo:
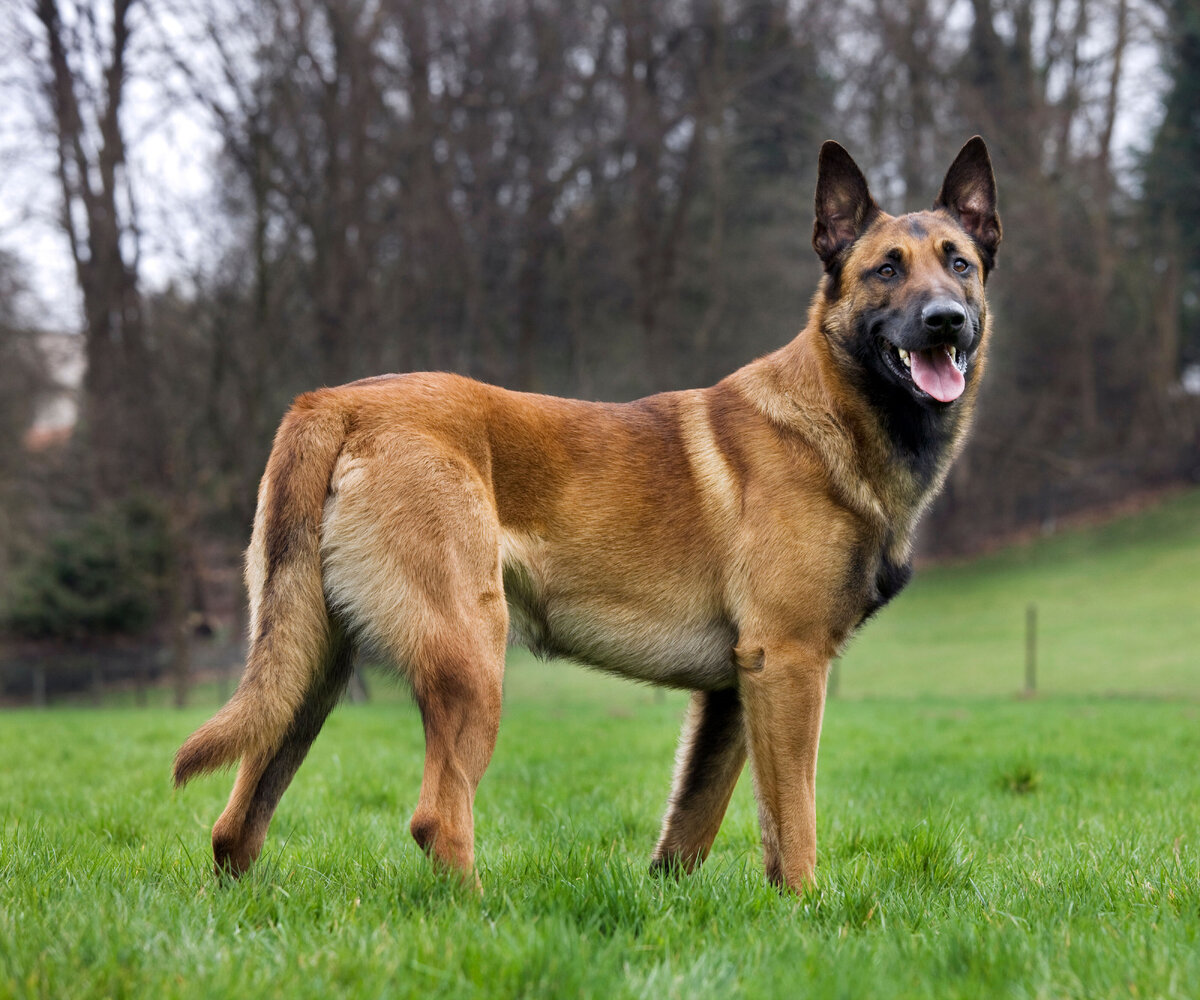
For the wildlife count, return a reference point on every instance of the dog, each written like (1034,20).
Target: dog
(726,540)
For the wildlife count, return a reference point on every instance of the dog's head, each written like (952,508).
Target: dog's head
(904,295)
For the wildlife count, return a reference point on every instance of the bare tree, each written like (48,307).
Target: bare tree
(82,60)
(25,381)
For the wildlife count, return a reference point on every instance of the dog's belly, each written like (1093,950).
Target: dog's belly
(647,637)
(695,655)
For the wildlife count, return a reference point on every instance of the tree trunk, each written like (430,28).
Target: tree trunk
(125,438)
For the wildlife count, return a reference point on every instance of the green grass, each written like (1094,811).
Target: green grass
(1118,612)
(971,844)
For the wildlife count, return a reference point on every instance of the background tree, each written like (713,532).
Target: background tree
(1172,203)
(606,198)
(81,58)
(24,382)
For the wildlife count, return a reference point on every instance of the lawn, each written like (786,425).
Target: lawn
(1118,609)
(972,844)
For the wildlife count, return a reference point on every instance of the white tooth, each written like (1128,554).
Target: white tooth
(953,354)
(905,358)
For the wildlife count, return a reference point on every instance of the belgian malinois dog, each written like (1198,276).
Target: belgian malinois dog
(726,540)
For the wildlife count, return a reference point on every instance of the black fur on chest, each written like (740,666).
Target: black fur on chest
(920,434)
(875,580)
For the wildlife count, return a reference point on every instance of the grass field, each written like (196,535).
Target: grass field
(971,844)
(1118,612)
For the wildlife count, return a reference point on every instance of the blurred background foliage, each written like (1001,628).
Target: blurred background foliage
(101,575)
(601,198)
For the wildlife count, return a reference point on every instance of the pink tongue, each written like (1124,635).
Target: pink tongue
(934,372)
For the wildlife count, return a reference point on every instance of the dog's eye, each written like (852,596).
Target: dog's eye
(961,266)
(886,271)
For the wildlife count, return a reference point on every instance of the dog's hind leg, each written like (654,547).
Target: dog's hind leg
(712,752)
(263,778)
(412,558)
(459,689)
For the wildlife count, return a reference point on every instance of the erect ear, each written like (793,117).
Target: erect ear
(844,204)
(969,194)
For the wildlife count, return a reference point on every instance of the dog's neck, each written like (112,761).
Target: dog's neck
(803,392)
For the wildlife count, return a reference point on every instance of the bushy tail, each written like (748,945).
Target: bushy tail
(289,624)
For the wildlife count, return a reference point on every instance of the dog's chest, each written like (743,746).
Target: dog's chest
(878,580)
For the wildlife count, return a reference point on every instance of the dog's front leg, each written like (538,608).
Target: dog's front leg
(712,752)
(783,695)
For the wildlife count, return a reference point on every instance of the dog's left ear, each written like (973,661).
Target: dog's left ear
(969,194)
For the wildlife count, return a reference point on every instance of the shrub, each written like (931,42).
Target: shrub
(102,576)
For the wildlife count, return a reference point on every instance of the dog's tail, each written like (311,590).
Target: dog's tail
(290,629)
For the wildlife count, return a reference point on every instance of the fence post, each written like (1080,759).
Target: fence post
(141,679)
(1031,650)
(39,685)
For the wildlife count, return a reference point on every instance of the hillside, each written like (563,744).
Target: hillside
(1118,609)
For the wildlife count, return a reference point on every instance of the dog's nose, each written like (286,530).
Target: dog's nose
(943,317)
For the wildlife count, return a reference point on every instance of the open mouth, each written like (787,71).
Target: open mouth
(938,372)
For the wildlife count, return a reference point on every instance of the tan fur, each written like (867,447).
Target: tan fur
(725,540)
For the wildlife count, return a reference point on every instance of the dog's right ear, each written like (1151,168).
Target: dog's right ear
(844,204)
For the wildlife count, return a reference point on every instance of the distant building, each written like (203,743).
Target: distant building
(58,409)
